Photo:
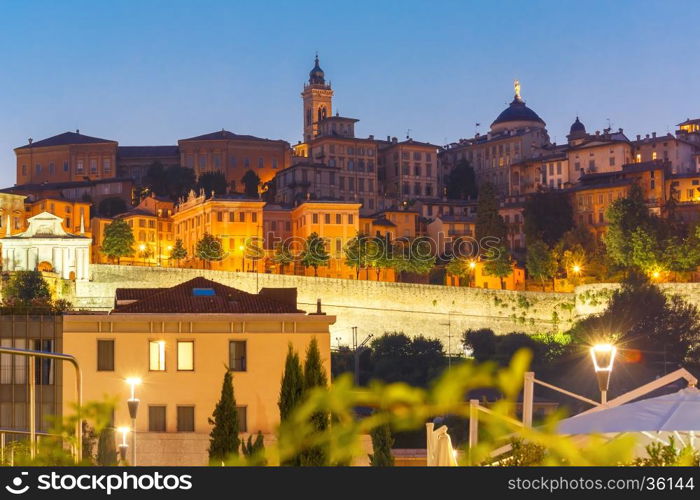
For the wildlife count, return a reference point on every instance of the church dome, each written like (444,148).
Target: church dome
(517,115)
(316,75)
(577,128)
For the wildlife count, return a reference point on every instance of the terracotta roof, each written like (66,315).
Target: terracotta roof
(223,135)
(147,151)
(67,138)
(182,298)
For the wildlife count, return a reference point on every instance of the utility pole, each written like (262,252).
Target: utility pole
(357,351)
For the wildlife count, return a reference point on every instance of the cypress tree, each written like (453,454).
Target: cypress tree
(106,447)
(315,376)
(291,389)
(223,438)
(382,441)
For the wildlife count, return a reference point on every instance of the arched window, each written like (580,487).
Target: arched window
(308,116)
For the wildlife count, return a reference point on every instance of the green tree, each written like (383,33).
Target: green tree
(664,329)
(314,377)
(379,255)
(497,262)
(179,181)
(314,253)
(26,286)
(118,240)
(209,249)
(251,183)
(462,268)
(412,256)
(626,215)
(489,222)
(357,253)
(547,216)
(283,255)
(382,441)
(178,252)
(396,357)
(223,438)
(291,392)
(254,451)
(109,207)
(540,261)
(106,447)
(481,342)
(461,183)
(213,182)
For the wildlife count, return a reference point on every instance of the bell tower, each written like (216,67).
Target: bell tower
(318,101)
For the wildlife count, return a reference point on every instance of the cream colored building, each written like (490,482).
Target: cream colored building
(45,245)
(179,341)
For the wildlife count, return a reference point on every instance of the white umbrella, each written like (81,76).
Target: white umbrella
(677,412)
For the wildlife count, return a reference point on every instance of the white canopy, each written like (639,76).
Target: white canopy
(679,412)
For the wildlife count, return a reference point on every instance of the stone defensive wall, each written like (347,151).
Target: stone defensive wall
(373,307)
(376,307)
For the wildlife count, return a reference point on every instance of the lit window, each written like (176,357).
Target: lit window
(185,355)
(156,351)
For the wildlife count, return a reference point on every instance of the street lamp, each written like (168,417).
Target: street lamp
(576,269)
(472,267)
(603,356)
(242,249)
(123,446)
(142,249)
(133,404)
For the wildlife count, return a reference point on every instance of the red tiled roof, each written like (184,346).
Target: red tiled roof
(181,299)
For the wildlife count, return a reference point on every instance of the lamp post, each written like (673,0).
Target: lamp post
(603,356)
(133,404)
(242,249)
(472,268)
(142,248)
(123,446)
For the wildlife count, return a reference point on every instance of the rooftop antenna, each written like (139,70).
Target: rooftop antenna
(408,133)
(476,127)
(609,123)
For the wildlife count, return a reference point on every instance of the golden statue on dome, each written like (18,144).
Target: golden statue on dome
(516,86)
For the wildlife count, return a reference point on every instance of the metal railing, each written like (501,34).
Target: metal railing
(32,355)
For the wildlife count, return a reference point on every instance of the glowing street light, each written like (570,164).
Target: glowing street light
(472,264)
(603,356)
(133,404)
(123,446)
(576,269)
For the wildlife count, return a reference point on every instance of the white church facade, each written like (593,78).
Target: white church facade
(44,246)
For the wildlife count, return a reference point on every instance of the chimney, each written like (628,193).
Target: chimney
(639,137)
(653,135)
(388,138)
(318,309)
(371,137)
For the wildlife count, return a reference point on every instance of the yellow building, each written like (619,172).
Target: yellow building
(152,225)
(12,213)
(446,230)
(75,214)
(335,222)
(179,341)
(236,220)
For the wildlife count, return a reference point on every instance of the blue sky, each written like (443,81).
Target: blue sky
(150,72)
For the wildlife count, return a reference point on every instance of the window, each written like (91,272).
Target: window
(350,219)
(261,163)
(254,216)
(241,216)
(237,355)
(185,419)
(242,418)
(156,418)
(156,350)
(93,166)
(105,355)
(338,219)
(107,165)
(314,219)
(185,355)
(327,218)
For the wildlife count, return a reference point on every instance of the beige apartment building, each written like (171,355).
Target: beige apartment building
(180,341)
